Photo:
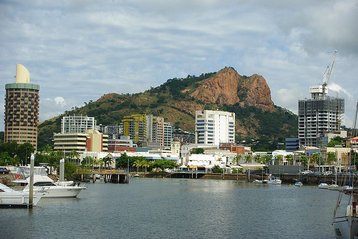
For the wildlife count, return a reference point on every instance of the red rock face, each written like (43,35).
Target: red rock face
(228,87)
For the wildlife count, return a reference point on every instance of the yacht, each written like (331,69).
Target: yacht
(66,189)
(59,189)
(12,198)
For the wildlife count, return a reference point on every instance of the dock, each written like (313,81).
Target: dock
(108,175)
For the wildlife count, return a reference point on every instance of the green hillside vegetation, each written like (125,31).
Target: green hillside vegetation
(163,100)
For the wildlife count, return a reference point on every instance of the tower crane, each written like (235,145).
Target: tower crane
(354,130)
(320,91)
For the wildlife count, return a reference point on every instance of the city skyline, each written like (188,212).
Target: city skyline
(130,46)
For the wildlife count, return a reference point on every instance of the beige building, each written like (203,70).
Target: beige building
(341,153)
(92,140)
(22,109)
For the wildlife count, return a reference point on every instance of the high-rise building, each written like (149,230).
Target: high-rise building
(159,132)
(77,124)
(22,109)
(134,126)
(316,117)
(214,127)
(319,115)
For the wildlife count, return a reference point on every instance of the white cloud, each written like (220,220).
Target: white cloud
(60,101)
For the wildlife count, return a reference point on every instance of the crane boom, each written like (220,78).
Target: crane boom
(328,72)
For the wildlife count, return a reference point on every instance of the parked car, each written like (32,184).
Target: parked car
(326,173)
(4,170)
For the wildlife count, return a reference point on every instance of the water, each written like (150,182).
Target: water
(178,208)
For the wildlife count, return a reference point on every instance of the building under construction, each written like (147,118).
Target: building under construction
(319,115)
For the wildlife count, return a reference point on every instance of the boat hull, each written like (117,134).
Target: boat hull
(63,192)
(17,199)
(346,227)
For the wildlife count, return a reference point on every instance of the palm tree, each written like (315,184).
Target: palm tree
(146,164)
(108,160)
(138,163)
(248,158)
(236,160)
(331,157)
(289,159)
(279,159)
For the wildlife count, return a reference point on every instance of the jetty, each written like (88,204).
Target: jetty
(108,175)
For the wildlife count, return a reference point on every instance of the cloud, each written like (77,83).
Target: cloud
(60,101)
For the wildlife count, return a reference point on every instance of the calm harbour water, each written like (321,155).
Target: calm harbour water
(178,208)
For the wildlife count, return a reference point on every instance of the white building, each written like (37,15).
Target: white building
(77,124)
(214,127)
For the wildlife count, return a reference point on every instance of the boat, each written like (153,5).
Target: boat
(274,180)
(334,187)
(298,184)
(59,189)
(346,226)
(66,189)
(323,186)
(258,181)
(12,198)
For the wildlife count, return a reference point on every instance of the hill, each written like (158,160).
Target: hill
(177,100)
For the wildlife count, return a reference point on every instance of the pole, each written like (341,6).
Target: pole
(62,170)
(31,191)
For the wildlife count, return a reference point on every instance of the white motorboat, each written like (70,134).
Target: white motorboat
(66,189)
(59,189)
(323,186)
(298,184)
(274,180)
(258,181)
(12,198)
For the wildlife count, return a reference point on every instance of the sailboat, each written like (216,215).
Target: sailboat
(346,226)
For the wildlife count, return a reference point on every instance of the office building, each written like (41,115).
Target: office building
(22,109)
(214,127)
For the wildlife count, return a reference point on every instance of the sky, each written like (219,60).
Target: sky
(79,50)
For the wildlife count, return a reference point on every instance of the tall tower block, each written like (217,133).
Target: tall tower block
(22,109)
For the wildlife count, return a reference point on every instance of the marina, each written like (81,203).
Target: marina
(179,208)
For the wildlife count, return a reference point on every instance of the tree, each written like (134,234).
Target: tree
(267,159)
(236,159)
(279,159)
(248,158)
(304,160)
(331,157)
(217,169)
(107,161)
(335,141)
(289,159)
(123,161)
(197,151)
(316,157)
(138,164)
(24,152)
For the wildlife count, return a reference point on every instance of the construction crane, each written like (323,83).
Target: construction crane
(320,91)
(354,130)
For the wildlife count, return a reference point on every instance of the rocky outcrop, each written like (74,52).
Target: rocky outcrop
(227,87)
